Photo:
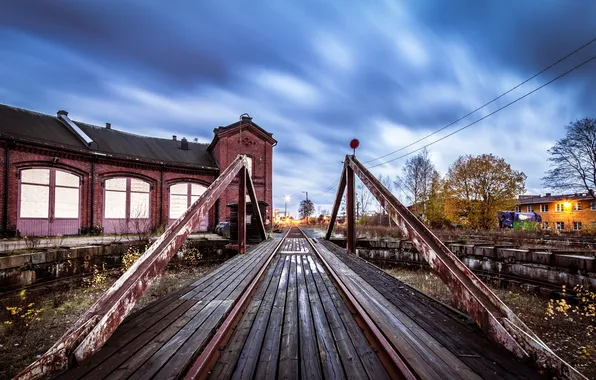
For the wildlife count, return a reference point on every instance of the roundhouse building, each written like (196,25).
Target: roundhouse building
(59,176)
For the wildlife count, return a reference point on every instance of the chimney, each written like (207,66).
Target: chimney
(108,125)
(184,144)
(62,112)
(174,137)
(548,194)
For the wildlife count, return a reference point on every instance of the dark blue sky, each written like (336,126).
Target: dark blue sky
(314,73)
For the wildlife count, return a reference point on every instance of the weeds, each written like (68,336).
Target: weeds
(132,254)
(583,313)
(98,279)
(21,316)
(32,242)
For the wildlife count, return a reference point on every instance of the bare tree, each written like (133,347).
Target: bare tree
(573,159)
(417,178)
(364,199)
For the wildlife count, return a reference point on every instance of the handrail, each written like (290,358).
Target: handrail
(96,325)
(497,321)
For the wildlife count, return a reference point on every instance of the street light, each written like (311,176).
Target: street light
(286,200)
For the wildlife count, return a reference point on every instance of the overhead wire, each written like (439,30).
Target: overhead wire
(486,104)
(490,114)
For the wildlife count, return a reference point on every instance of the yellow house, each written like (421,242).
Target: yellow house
(569,212)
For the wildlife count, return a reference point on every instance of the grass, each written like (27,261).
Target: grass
(568,337)
(22,341)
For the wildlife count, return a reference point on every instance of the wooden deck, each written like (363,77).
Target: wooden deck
(296,325)
(161,340)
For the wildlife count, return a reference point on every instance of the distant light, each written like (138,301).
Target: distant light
(287,198)
(567,204)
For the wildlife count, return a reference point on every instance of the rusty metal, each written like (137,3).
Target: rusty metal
(98,323)
(393,362)
(208,357)
(242,211)
(470,293)
(250,188)
(338,196)
(350,222)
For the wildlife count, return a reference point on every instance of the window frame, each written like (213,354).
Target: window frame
(530,208)
(562,224)
(544,207)
(559,207)
(128,191)
(577,226)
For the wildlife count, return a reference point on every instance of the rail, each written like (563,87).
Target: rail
(391,359)
(497,321)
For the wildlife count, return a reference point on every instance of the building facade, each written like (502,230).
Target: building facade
(569,212)
(63,177)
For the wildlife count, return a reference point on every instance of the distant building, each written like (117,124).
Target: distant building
(568,212)
(63,177)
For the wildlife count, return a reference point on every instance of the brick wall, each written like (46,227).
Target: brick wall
(23,156)
(228,147)
(586,215)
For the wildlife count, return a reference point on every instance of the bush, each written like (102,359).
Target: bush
(21,316)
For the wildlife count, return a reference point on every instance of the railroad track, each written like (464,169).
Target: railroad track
(214,359)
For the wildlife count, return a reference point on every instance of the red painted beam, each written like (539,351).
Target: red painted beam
(253,199)
(94,327)
(338,196)
(242,211)
(497,321)
(350,219)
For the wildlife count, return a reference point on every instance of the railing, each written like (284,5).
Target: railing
(92,330)
(498,322)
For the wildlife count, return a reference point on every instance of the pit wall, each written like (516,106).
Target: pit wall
(538,267)
(17,271)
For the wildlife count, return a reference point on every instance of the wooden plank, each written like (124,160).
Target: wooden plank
(310,364)
(424,354)
(169,363)
(330,361)
(288,356)
(149,327)
(150,341)
(368,357)
(249,356)
(450,328)
(270,351)
(226,363)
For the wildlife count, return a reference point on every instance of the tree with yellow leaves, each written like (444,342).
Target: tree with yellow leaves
(478,186)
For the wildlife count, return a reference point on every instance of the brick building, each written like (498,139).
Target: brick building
(570,212)
(63,177)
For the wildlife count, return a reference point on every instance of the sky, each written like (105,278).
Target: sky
(314,73)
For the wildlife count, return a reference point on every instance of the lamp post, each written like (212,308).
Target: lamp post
(286,200)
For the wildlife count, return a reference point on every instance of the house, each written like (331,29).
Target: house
(569,212)
(59,176)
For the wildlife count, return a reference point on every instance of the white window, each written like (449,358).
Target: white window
(36,187)
(559,207)
(517,208)
(545,225)
(530,208)
(577,226)
(543,208)
(560,226)
(182,196)
(126,198)
(577,206)
(250,163)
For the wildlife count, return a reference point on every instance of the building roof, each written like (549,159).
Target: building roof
(50,130)
(548,198)
(246,122)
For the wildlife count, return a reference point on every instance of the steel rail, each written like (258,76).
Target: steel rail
(208,357)
(395,365)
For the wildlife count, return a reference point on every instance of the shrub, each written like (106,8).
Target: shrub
(132,254)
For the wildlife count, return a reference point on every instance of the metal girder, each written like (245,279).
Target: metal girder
(350,217)
(93,328)
(338,196)
(253,199)
(498,322)
(242,211)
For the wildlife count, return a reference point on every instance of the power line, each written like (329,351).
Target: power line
(490,114)
(485,104)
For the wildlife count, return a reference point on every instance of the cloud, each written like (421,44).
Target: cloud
(316,74)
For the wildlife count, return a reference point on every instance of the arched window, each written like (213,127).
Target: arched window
(182,196)
(127,205)
(49,202)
